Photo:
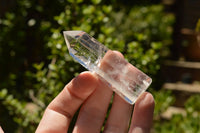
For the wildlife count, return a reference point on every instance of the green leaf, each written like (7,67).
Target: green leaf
(3,93)
(89,10)
(96,1)
(107,9)
(52,67)
(156,45)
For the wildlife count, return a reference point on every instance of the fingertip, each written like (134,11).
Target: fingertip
(118,53)
(83,84)
(149,98)
(87,77)
(143,113)
(146,99)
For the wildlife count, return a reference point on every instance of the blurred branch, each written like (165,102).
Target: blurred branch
(35,100)
(53,61)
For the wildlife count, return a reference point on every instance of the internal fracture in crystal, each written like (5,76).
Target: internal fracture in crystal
(125,79)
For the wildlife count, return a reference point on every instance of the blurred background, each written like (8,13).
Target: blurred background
(160,37)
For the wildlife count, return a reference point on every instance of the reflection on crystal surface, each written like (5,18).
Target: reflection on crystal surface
(84,48)
(125,79)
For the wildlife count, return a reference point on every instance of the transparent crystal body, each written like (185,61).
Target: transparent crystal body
(122,77)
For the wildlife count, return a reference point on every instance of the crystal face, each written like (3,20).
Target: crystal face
(122,77)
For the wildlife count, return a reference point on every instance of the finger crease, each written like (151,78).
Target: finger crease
(63,112)
(74,95)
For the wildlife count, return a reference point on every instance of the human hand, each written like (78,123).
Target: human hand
(94,96)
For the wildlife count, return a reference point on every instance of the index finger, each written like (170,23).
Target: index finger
(60,111)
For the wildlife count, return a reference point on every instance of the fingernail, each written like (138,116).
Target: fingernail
(148,98)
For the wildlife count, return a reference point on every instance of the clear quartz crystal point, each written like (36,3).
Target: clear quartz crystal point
(125,79)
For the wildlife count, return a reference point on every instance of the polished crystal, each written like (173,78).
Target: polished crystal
(122,77)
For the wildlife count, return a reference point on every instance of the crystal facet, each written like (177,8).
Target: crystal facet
(125,79)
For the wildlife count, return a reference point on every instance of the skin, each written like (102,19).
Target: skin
(1,131)
(87,91)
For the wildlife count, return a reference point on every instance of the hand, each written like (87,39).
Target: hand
(94,96)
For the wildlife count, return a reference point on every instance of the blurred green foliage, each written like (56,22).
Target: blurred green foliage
(197,29)
(183,124)
(34,60)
